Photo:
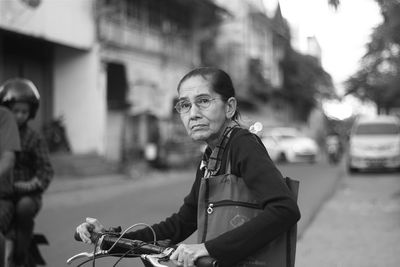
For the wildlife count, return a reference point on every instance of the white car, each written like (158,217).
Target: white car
(287,144)
(374,144)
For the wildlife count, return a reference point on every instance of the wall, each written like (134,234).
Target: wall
(52,21)
(79,96)
(152,82)
(76,85)
(148,74)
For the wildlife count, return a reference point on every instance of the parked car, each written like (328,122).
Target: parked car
(374,143)
(287,144)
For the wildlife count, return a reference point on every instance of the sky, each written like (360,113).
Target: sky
(342,34)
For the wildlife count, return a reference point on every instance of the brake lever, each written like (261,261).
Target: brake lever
(86,255)
(155,258)
(89,254)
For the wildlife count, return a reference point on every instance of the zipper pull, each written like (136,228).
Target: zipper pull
(210,208)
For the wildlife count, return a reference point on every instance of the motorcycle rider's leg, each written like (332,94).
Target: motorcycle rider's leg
(2,249)
(26,209)
(6,216)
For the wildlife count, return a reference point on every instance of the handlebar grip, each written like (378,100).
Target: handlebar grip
(206,261)
(122,243)
(93,236)
(77,237)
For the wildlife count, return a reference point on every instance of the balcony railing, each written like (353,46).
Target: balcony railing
(129,35)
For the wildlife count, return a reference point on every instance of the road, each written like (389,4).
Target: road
(126,202)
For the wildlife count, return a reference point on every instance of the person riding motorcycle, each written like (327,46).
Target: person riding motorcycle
(333,148)
(32,171)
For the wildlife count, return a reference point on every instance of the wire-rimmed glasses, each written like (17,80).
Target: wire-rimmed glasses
(204,102)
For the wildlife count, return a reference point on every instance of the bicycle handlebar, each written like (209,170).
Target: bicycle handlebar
(108,240)
(146,250)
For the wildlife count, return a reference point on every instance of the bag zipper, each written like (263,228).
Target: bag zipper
(212,205)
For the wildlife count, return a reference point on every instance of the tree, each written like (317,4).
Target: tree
(303,79)
(259,87)
(378,76)
(334,3)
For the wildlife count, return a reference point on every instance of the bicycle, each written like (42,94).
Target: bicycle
(112,244)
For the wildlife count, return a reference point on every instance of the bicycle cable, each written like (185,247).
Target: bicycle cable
(130,227)
(94,253)
(94,257)
(123,256)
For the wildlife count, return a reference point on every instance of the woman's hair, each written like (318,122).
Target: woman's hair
(220,81)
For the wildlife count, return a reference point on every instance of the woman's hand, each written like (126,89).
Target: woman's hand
(85,229)
(186,255)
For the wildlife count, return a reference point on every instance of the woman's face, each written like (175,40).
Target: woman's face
(203,124)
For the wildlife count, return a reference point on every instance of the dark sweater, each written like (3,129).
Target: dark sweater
(249,160)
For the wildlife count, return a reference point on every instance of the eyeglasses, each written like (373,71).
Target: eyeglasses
(183,106)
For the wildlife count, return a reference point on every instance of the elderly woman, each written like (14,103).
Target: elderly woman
(239,202)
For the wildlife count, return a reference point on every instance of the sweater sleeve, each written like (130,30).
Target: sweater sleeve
(251,161)
(178,226)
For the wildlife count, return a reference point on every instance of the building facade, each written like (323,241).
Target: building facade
(109,68)
(146,46)
(253,40)
(40,41)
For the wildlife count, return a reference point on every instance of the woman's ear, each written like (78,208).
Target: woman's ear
(230,107)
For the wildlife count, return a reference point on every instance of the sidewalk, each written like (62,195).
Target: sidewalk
(358,227)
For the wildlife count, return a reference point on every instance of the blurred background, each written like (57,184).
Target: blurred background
(107,72)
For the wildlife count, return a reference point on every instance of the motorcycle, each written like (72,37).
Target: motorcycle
(333,149)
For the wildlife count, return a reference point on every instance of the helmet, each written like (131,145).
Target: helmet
(20,90)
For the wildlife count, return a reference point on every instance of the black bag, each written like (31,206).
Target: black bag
(231,206)
(291,235)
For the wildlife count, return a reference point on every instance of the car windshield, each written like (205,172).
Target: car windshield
(285,133)
(287,136)
(377,129)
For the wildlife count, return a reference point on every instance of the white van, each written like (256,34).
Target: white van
(374,143)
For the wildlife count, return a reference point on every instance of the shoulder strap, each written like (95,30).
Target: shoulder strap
(228,166)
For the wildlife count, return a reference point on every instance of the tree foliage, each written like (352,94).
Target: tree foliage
(259,87)
(334,3)
(378,77)
(304,80)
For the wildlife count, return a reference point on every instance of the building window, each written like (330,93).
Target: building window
(117,86)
